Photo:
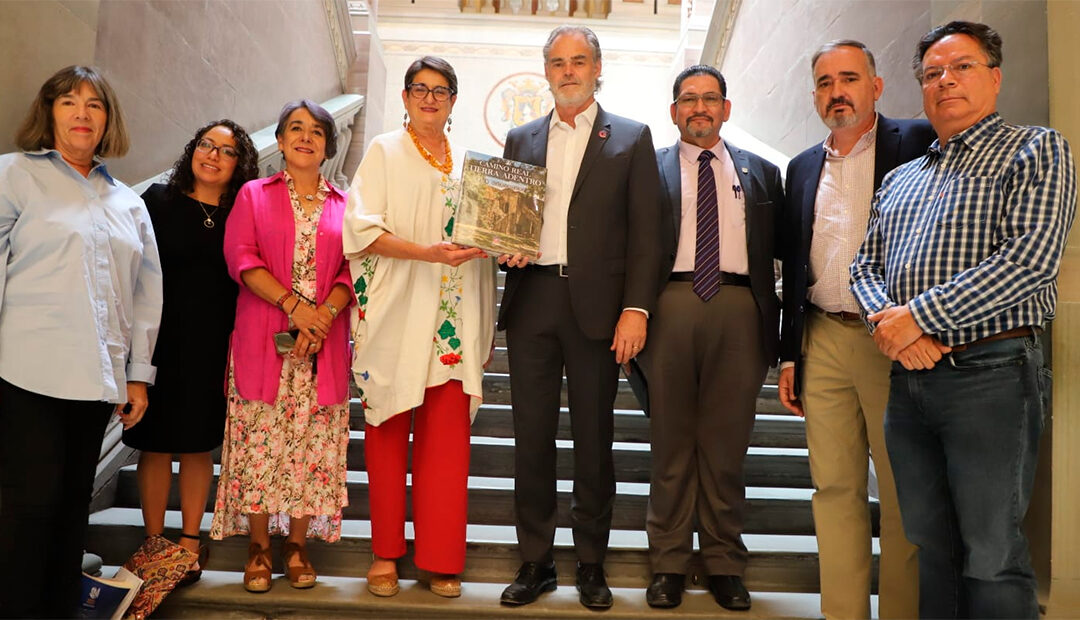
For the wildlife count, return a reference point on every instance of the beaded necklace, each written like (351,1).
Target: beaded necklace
(444,168)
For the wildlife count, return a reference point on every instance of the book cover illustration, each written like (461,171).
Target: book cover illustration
(501,207)
(108,597)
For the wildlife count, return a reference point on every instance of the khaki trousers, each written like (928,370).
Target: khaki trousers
(846,388)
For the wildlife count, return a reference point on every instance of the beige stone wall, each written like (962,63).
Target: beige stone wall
(767,64)
(174,64)
(1063,18)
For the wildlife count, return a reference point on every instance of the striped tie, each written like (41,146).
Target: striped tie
(707,250)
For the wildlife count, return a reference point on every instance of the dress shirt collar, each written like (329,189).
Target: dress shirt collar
(974,137)
(864,142)
(587,116)
(691,152)
(56,156)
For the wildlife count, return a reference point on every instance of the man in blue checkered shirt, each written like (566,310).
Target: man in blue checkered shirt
(957,276)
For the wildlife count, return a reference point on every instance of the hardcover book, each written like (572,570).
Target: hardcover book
(501,207)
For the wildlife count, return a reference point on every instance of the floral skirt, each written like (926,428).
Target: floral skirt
(286,459)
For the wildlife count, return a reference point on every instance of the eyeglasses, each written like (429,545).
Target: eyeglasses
(711,100)
(420,91)
(206,147)
(963,69)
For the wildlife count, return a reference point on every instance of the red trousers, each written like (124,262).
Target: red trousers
(440,475)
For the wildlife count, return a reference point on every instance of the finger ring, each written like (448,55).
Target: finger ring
(312,330)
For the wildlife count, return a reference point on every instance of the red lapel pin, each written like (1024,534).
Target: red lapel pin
(603,134)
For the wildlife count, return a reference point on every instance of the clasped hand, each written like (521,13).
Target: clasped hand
(313,325)
(901,339)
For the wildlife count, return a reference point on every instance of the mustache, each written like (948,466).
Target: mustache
(701,116)
(840,101)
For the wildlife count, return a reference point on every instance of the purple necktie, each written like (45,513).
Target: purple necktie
(707,250)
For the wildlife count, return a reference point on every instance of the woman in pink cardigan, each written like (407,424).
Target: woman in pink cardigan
(283,461)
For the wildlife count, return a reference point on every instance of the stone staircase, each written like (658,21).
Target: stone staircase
(782,573)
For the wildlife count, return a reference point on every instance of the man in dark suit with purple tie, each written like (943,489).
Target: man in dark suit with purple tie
(712,338)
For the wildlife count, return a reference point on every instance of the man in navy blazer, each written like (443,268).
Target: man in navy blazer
(712,338)
(582,305)
(831,371)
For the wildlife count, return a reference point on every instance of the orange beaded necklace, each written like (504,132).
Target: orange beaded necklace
(445,167)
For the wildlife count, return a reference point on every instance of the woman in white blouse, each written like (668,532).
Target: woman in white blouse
(80,304)
(423,333)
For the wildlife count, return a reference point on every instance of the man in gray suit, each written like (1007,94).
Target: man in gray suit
(583,305)
(712,338)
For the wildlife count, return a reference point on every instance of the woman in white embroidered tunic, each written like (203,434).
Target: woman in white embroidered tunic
(422,333)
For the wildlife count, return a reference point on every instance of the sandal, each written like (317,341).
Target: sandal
(384,584)
(299,576)
(195,574)
(259,558)
(444,584)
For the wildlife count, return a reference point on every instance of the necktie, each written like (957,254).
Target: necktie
(707,250)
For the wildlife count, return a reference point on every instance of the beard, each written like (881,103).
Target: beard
(841,121)
(700,131)
(575,98)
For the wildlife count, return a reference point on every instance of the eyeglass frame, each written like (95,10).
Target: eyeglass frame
(210,147)
(695,98)
(954,67)
(428,89)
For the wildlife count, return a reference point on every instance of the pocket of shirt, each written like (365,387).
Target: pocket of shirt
(968,202)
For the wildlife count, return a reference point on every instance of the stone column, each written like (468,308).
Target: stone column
(1063,20)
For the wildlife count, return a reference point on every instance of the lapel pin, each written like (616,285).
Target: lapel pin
(603,134)
(745,171)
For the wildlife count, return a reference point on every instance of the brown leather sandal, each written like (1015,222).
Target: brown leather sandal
(385,584)
(299,576)
(259,558)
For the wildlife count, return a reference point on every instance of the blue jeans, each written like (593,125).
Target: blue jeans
(963,439)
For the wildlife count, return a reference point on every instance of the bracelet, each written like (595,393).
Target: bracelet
(295,306)
(332,308)
(281,300)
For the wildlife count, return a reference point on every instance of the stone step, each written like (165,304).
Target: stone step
(497,391)
(494,456)
(776,564)
(219,594)
(770,431)
(768,511)
(500,364)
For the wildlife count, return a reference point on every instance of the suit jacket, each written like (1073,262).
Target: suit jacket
(764,200)
(611,243)
(897,142)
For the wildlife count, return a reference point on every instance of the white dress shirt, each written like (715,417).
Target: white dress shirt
(730,203)
(841,212)
(565,149)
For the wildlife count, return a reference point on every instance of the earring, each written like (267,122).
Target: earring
(449,122)
(405,121)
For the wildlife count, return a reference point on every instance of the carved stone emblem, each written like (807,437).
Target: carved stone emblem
(515,100)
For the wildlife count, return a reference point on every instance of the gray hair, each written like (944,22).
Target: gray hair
(590,38)
(837,44)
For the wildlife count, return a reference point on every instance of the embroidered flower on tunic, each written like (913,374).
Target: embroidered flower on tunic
(448,333)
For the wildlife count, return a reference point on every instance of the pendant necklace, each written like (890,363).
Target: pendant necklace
(209,221)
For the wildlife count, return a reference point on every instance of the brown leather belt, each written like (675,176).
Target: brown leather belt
(726,277)
(843,316)
(1016,332)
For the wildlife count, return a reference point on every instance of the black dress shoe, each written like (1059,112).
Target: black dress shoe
(729,592)
(665,590)
(595,594)
(533,579)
